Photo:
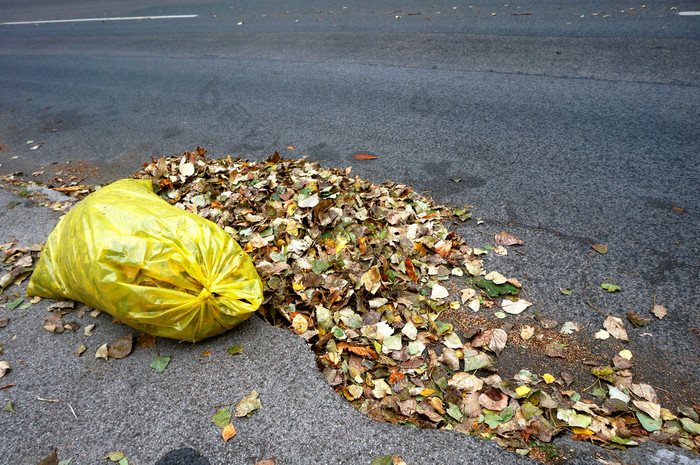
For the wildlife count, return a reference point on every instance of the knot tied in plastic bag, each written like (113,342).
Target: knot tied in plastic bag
(159,269)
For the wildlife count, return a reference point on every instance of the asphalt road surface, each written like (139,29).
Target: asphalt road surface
(564,123)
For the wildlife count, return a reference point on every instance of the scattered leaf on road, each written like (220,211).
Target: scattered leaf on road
(121,347)
(222,418)
(659,311)
(248,405)
(600,248)
(51,459)
(610,287)
(228,432)
(234,350)
(8,407)
(503,238)
(159,363)
(145,341)
(102,352)
(515,307)
(616,327)
(363,156)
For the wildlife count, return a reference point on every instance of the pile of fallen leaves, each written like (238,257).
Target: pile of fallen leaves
(362,272)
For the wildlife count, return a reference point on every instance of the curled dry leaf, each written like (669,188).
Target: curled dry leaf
(102,352)
(515,307)
(363,156)
(503,238)
(4,368)
(498,340)
(616,327)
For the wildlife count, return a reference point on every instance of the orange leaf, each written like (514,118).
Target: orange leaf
(363,156)
(678,209)
(228,432)
(411,270)
(394,377)
(362,351)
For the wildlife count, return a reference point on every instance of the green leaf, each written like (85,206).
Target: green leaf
(15,303)
(491,289)
(160,362)
(115,456)
(66,461)
(222,418)
(610,287)
(382,460)
(454,412)
(494,419)
(600,248)
(566,291)
(124,461)
(530,410)
(476,361)
(442,327)
(8,407)
(607,373)
(690,426)
(574,419)
(25,306)
(234,350)
(623,441)
(647,422)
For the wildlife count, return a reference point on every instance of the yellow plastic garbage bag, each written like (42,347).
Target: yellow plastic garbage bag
(157,268)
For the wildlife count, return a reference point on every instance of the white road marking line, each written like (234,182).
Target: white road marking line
(85,20)
(689,13)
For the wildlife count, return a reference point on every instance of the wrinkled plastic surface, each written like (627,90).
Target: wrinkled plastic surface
(157,268)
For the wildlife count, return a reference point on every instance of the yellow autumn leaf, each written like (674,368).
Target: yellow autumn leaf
(522,391)
(298,287)
(228,432)
(577,430)
(300,324)
(426,392)
(549,379)
(626,354)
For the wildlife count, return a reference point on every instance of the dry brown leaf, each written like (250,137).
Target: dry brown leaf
(651,408)
(493,399)
(410,270)
(659,311)
(121,347)
(503,238)
(498,340)
(443,248)
(645,391)
(372,280)
(363,156)
(145,340)
(616,327)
